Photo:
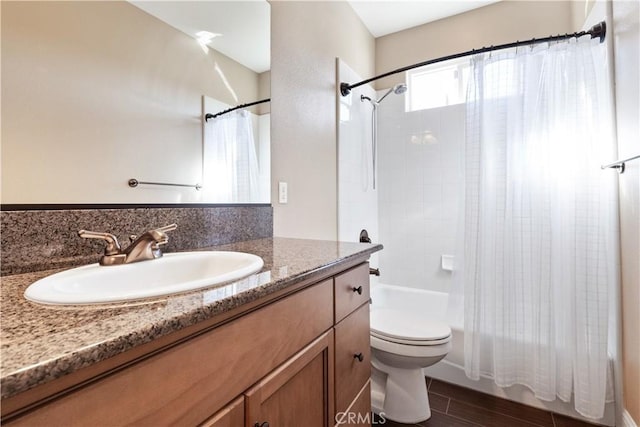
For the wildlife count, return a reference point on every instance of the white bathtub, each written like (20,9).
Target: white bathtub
(434,306)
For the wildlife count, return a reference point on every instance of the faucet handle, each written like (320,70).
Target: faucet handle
(113,247)
(160,236)
(166,228)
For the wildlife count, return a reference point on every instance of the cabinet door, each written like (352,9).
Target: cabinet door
(231,415)
(359,413)
(298,393)
(353,356)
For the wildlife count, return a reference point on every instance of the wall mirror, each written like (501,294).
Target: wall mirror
(95,94)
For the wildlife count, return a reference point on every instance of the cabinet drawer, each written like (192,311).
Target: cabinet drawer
(353,356)
(351,290)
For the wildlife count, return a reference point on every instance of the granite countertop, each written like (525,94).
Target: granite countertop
(41,343)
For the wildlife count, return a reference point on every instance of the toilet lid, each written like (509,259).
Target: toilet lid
(407,326)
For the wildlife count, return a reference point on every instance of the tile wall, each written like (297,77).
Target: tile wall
(420,173)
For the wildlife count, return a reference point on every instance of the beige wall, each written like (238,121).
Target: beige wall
(306,37)
(264,91)
(626,39)
(498,23)
(580,10)
(95,93)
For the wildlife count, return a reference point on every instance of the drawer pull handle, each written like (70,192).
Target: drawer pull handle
(358,290)
(264,424)
(358,356)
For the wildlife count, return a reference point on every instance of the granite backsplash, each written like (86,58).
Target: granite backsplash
(33,240)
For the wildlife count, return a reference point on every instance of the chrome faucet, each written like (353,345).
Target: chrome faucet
(142,248)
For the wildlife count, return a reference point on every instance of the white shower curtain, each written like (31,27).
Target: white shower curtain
(538,253)
(230,162)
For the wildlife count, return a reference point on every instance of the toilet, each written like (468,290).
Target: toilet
(403,342)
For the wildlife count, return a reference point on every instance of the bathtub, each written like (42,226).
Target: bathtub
(451,368)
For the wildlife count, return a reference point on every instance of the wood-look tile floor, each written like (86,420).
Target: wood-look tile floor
(455,406)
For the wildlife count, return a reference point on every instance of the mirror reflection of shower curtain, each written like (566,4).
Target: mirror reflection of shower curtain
(230,162)
(539,237)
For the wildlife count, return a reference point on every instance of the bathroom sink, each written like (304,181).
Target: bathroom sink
(174,272)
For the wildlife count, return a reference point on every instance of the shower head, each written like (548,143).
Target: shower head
(397,89)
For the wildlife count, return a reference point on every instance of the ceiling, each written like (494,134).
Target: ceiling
(244,25)
(386,17)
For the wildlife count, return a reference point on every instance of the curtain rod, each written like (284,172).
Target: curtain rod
(598,30)
(213,116)
(620,164)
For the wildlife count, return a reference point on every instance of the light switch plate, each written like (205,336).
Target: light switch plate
(283,192)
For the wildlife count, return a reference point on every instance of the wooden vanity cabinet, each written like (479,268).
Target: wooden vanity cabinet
(294,362)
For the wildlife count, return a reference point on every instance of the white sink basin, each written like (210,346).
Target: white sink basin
(174,272)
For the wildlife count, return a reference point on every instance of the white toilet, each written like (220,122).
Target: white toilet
(403,342)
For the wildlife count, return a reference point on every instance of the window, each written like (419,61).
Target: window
(437,85)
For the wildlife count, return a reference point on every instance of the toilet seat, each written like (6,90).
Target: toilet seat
(399,327)
(426,343)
